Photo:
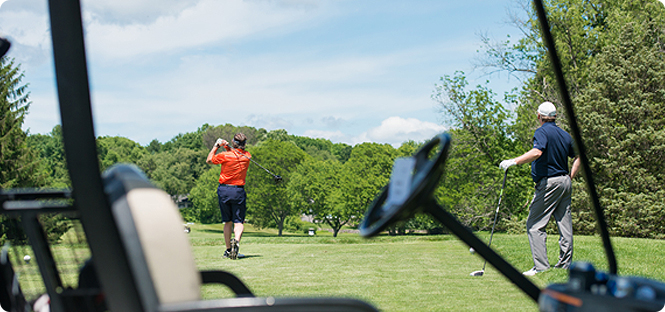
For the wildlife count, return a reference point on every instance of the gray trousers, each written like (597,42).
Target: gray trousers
(552,197)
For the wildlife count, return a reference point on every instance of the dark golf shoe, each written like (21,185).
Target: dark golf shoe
(234,249)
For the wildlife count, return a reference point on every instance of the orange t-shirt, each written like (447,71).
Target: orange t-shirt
(234,166)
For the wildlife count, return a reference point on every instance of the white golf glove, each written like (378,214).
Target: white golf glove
(219,142)
(507,164)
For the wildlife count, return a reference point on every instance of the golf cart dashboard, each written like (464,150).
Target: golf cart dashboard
(591,290)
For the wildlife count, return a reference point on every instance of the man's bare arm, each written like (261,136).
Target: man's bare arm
(212,153)
(575,168)
(529,156)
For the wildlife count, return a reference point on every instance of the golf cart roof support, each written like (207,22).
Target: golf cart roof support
(47,267)
(81,155)
(572,121)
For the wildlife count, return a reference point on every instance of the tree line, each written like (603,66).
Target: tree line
(331,182)
(612,54)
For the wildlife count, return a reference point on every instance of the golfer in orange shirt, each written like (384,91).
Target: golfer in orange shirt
(231,190)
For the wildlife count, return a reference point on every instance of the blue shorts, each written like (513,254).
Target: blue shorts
(232,203)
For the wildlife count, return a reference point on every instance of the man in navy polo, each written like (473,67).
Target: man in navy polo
(552,146)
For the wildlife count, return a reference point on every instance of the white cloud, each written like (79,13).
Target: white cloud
(191,25)
(334,136)
(394,131)
(213,87)
(45,117)
(162,67)
(24,26)
(128,12)
(333,122)
(397,130)
(122,29)
(132,11)
(267,122)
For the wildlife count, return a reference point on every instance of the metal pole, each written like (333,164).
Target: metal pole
(71,71)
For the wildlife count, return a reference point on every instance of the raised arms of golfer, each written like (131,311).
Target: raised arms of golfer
(213,151)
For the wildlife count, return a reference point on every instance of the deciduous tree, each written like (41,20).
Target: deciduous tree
(51,153)
(481,139)
(315,188)
(363,176)
(204,198)
(267,201)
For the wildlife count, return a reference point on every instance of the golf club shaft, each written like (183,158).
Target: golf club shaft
(496,214)
(252,160)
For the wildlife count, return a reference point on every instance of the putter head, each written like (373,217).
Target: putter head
(277,178)
(477,273)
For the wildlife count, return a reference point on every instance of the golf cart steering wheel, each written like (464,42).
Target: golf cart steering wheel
(426,175)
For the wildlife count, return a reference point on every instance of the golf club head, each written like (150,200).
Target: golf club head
(477,273)
(277,178)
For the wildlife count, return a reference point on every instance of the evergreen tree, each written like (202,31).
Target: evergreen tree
(19,166)
(622,109)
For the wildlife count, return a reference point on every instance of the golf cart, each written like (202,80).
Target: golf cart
(127,220)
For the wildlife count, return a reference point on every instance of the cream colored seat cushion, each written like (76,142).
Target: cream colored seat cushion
(165,246)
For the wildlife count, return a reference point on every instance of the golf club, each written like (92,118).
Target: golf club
(496,214)
(277,178)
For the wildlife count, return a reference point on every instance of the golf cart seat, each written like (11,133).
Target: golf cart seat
(161,258)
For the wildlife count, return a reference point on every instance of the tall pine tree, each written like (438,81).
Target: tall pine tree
(19,166)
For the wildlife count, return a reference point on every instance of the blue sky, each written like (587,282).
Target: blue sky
(348,71)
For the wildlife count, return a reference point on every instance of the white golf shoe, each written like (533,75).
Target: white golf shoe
(531,272)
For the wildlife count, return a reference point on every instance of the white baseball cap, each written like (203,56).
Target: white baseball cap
(547,109)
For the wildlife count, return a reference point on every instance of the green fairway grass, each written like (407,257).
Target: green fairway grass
(402,273)
(394,273)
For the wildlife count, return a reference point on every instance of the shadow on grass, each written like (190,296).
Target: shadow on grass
(322,236)
(254,234)
(267,234)
(211,231)
(248,256)
(411,234)
(263,234)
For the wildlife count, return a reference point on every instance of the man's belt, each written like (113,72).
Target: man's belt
(554,176)
(231,185)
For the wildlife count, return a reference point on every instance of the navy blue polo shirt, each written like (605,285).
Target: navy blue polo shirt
(556,145)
